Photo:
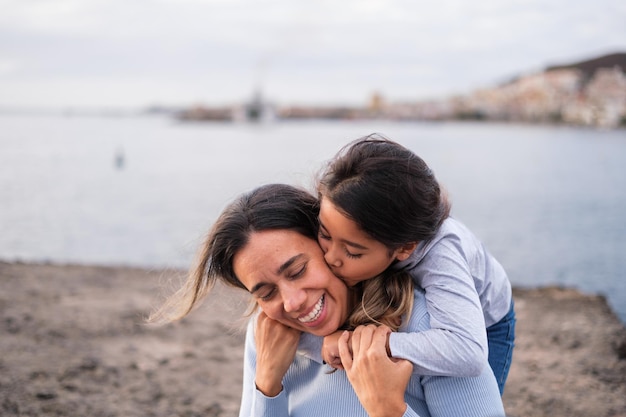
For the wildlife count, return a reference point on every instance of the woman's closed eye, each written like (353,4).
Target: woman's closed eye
(299,271)
(266,293)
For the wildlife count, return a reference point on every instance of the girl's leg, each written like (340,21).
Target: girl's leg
(501,340)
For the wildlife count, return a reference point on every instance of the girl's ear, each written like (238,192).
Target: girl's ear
(404,251)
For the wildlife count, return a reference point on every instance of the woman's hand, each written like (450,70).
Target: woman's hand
(379,381)
(330,349)
(276,346)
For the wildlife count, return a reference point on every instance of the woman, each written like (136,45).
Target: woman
(265,243)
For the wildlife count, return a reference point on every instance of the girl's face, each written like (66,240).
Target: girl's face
(352,254)
(286,273)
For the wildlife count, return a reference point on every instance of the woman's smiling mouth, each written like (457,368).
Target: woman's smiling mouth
(315,313)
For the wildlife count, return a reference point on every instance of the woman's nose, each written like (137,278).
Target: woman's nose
(294,300)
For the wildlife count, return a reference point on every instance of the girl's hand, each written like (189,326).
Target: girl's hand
(330,349)
(276,346)
(379,381)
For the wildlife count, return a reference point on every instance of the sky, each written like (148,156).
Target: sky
(140,53)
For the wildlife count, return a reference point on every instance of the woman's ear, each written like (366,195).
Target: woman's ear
(404,251)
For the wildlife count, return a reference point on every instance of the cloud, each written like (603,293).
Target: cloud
(297,50)
(8,66)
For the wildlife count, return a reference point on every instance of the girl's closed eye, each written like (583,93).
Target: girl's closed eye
(352,255)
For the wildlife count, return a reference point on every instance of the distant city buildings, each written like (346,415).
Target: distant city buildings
(579,94)
(558,96)
(590,93)
(601,102)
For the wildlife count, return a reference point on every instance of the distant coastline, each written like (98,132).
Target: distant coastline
(590,93)
(586,93)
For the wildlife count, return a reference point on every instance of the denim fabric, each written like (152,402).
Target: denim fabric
(501,340)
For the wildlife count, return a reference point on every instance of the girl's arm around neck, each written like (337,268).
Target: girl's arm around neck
(453,340)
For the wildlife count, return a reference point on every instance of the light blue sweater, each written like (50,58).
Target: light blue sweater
(309,390)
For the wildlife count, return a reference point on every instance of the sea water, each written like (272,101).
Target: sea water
(548,202)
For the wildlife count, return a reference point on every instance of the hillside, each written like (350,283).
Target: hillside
(589,67)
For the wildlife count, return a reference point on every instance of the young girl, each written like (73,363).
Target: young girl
(382,208)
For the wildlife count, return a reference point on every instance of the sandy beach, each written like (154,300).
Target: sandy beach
(74,343)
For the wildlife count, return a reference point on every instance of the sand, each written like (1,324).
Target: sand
(73,343)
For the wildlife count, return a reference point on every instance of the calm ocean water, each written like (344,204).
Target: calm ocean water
(549,202)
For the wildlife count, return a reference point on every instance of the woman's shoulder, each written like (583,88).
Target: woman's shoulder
(419,319)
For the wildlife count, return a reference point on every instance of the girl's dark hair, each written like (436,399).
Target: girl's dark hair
(388,190)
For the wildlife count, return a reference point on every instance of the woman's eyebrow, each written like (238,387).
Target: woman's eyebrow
(257,287)
(288,263)
(279,271)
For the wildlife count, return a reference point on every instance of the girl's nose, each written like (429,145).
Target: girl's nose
(331,258)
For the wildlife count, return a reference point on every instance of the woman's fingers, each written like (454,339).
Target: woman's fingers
(330,350)
(276,346)
(362,338)
(362,341)
(380,338)
(345,352)
(378,381)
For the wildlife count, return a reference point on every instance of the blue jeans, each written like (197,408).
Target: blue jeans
(501,340)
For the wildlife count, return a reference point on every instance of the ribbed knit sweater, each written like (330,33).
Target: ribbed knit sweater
(310,390)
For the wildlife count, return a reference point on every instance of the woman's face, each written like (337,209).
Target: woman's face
(286,273)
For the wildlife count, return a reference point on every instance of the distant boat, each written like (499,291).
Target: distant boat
(119,159)
(256,110)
